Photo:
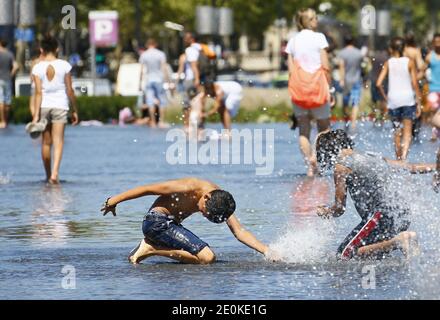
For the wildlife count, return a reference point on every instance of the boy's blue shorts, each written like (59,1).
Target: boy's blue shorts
(162,231)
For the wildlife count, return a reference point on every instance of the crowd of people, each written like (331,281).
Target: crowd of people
(51,92)
(397,79)
(197,80)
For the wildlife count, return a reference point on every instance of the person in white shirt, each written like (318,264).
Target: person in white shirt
(53,90)
(190,74)
(308,48)
(227,96)
(154,62)
(192,53)
(404,97)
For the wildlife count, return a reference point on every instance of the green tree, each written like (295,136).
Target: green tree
(251,17)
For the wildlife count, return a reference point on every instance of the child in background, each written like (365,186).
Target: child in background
(196,122)
(227,96)
(403,88)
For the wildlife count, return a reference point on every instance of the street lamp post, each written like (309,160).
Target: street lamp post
(138,22)
(280,24)
(7,20)
(434,7)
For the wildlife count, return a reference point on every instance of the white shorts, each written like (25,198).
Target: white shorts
(232,103)
(54,115)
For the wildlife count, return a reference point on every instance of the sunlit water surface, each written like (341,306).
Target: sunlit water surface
(51,235)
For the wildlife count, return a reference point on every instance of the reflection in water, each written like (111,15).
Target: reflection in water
(308,194)
(52,219)
(48,215)
(5,178)
(307,237)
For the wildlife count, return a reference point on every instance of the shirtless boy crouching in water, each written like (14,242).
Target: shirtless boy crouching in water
(178,199)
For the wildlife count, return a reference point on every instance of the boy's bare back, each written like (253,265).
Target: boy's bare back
(181,205)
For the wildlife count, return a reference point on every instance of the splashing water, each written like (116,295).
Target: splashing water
(306,242)
(424,270)
(5,179)
(415,192)
(47,230)
(310,243)
(50,200)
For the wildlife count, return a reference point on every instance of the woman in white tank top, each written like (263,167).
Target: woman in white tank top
(400,89)
(53,90)
(404,98)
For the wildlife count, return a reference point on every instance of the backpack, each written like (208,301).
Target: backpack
(308,90)
(207,64)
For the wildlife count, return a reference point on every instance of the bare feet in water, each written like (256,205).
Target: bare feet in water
(313,168)
(53,181)
(142,251)
(310,172)
(407,242)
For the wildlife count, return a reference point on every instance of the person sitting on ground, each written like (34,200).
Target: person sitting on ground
(178,199)
(369,179)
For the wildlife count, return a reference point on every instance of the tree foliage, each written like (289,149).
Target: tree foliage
(251,17)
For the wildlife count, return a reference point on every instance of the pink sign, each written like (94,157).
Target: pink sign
(103,28)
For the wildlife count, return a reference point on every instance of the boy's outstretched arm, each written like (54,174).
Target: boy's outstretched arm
(245,236)
(338,208)
(422,168)
(162,188)
(416,168)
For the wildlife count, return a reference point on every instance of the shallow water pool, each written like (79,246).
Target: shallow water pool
(55,244)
